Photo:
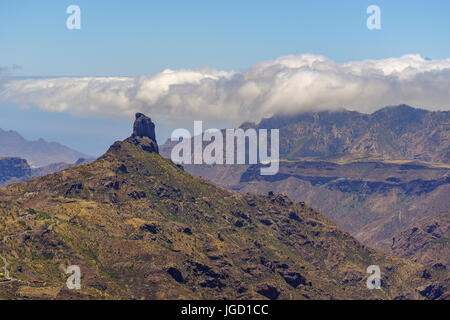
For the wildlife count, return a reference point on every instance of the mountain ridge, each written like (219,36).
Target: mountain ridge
(140,227)
(426,241)
(393,133)
(38,153)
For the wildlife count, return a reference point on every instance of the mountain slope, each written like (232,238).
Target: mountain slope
(426,242)
(13,170)
(38,153)
(373,200)
(141,227)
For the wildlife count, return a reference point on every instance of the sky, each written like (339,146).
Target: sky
(81,87)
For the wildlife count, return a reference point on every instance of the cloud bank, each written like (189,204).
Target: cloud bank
(289,84)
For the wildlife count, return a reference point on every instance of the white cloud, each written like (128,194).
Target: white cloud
(288,84)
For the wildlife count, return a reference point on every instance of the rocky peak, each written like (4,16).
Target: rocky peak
(144,133)
(144,127)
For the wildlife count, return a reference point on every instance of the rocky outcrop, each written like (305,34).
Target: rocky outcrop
(144,127)
(139,227)
(144,134)
(372,199)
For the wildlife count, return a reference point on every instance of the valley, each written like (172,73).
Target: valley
(140,227)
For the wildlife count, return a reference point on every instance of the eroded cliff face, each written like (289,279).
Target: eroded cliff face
(426,242)
(38,153)
(372,174)
(13,170)
(140,227)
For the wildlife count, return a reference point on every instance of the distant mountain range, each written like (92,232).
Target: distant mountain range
(394,133)
(140,227)
(372,174)
(426,242)
(38,153)
(385,181)
(13,170)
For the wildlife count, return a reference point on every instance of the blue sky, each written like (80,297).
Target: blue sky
(144,37)
(132,38)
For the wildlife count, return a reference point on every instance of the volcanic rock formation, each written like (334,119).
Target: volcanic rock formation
(144,133)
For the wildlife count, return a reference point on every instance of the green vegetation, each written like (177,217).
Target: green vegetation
(39,214)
